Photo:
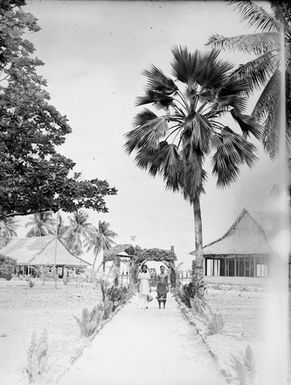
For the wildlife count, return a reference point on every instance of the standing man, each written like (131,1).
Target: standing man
(162,287)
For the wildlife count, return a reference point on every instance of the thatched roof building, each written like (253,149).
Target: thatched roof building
(244,249)
(245,236)
(41,251)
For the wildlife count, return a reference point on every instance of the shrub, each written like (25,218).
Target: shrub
(186,293)
(7,266)
(215,323)
(37,357)
(198,307)
(108,308)
(90,321)
(244,366)
(116,295)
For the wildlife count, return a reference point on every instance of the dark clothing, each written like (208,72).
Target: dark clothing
(162,287)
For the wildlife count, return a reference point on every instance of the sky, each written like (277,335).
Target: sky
(94,54)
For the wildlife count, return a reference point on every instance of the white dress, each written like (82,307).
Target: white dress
(144,288)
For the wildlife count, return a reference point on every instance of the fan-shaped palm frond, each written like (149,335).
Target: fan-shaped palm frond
(156,80)
(233,92)
(202,68)
(231,152)
(149,128)
(186,65)
(247,124)
(256,16)
(158,98)
(258,43)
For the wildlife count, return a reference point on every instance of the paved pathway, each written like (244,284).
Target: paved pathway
(145,347)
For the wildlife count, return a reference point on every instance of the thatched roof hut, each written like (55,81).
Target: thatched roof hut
(245,236)
(41,251)
(244,249)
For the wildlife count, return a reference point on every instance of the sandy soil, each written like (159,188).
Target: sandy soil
(243,313)
(24,310)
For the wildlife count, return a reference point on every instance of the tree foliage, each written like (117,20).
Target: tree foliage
(34,177)
(175,142)
(263,72)
(42,224)
(8,228)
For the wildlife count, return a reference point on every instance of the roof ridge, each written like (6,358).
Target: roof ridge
(232,227)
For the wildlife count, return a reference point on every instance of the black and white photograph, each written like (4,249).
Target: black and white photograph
(145,181)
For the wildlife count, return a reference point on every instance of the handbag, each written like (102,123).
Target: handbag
(149,298)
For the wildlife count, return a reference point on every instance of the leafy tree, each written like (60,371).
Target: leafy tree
(34,177)
(77,231)
(7,266)
(263,71)
(8,228)
(100,239)
(42,224)
(188,127)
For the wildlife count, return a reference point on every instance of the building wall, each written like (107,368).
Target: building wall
(234,266)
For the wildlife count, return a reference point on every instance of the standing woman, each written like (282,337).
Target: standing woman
(144,287)
(162,287)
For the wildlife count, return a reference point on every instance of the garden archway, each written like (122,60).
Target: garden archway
(137,256)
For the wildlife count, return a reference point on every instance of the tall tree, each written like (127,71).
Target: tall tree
(34,177)
(42,224)
(189,127)
(263,71)
(78,231)
(100,239)
(8,228)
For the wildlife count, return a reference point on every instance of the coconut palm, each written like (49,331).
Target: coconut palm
(42,224)
(77,231)
(8,228)
(100,239)
(263,71)
(188,126)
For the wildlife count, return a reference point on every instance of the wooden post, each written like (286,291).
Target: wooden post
(235,262)
(206,266)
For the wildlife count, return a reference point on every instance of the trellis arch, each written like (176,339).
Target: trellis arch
(138,256)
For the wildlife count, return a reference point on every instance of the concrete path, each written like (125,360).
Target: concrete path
(145,347)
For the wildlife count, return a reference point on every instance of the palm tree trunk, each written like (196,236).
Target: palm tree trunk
(197,264)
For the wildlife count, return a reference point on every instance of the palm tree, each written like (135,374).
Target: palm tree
(100,239)
(189,127)
(8,228)
(77,231)
(263,71)
(42,224)
(61,228)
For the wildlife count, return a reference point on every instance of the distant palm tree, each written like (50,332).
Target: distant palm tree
(42,224)
(8,228)
(61,228)
(263,71)
(78,230)
(175,143)
(100,239)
